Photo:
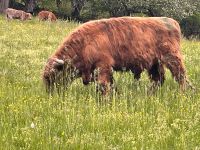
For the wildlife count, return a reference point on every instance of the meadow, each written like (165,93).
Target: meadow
(130,119)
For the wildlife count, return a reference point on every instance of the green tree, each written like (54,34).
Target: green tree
(177,9)
(76,6)
(30,5)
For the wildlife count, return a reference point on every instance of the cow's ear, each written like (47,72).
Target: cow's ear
(58,64)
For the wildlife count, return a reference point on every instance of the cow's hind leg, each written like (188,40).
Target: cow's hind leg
(157,75)
(176,66)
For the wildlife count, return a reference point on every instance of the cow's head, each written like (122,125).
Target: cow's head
(28,16)
(58,73)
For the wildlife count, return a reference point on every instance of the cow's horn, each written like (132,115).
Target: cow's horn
(59,61)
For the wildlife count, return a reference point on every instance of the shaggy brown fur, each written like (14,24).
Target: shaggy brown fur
(17,14)
(46,15)
(124,43)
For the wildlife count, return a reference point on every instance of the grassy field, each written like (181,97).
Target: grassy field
(130,120)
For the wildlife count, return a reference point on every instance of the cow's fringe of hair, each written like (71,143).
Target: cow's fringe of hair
(62,81)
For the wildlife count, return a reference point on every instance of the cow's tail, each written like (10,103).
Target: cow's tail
(189,84)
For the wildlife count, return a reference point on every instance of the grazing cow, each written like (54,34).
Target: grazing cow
(124,43)
(17,14)
(46,15)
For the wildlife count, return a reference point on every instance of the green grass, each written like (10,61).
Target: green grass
(130,120)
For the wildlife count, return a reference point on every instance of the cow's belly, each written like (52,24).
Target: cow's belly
(137,61)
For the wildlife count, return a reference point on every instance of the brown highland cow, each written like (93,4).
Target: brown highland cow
(124,43)
(46,15)
(17,14)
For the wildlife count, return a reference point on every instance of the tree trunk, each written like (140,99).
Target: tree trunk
(11,3)
(30,5)
(3,5)
(76,5)
(58,4)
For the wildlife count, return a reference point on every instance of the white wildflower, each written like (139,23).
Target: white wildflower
(32,125)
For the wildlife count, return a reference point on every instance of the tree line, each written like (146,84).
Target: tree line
(84,10)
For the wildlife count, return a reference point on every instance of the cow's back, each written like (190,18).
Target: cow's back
(13,13)
(130,30)
(46,15)
(127,38)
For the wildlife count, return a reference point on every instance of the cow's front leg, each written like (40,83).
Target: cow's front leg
(86,76)
(104,79)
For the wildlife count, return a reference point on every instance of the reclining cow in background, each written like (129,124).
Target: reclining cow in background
(17,14)
(46,15)
(124,43)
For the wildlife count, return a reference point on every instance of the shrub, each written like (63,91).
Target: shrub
(191,26)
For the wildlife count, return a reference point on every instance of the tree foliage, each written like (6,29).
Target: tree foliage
(30,5)
(91,9)
(76,8)
(177,9)
(191,26)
